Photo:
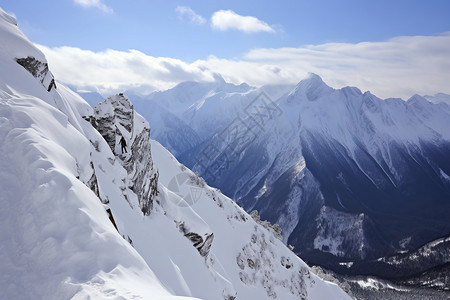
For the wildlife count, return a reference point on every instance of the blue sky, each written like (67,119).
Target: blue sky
(244,39)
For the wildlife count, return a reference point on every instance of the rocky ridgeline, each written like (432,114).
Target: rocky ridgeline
(39,70)
(114,118)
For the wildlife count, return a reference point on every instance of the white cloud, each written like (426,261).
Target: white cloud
(94,3)
(186,13)
(228,19)
(111,71)
(399,67)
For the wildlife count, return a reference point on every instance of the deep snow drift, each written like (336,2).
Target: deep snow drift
(80,220)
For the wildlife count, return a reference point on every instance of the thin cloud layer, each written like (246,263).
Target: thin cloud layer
(399,67)
(111,71)
(94,3)
(227,19)
(187,13)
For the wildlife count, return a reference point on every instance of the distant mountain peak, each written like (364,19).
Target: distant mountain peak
(438,98)
(313,87)
(218,78)
(417,100)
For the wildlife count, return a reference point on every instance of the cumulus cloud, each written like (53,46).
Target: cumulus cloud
(111,71)
(227,19)
(94,3)
(186,13)
(399,67)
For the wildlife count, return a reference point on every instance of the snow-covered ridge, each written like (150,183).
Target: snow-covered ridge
(115,118)
(80,220)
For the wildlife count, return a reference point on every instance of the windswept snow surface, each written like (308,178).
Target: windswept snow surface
(58,181)
(56,240)
(248,255)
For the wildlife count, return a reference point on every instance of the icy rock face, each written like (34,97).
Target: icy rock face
(114,118)
(144,177)
(39,70)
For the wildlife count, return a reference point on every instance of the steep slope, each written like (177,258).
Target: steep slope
(56,239)
(81,220)
(249,253)
(373,168)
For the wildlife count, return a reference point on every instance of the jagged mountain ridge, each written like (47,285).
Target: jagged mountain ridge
(344,173)
(182,116)
(80,220)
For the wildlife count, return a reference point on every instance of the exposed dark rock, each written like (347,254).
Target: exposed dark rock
(114,118)
(51,85)
(250,263)
(274,228)
(203,245)
(111,218)
(285,262)
(144,176)
(93,183)
(206,246)
(39,70)
(129,240)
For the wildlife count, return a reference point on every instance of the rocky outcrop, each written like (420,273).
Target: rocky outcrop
(144,179)
(260,264)
(93,184)
(203,244)
(275,228)
(114,118)
(39,70)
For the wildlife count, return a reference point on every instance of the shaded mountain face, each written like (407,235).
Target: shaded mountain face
(348,176)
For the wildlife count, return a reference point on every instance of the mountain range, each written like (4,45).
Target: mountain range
(348,176)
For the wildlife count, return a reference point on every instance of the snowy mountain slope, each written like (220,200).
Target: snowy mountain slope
(379,164)
(80,220)
(262,260)
(215,226)
(346,174)
(56,239)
